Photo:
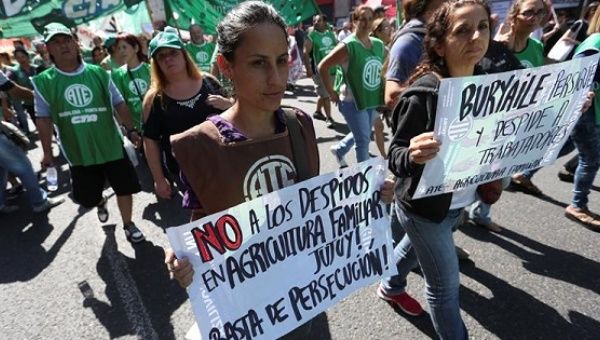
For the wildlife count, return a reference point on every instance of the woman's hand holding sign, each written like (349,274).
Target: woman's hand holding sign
(387,190)
(589,100)
(423,147)
(179,269)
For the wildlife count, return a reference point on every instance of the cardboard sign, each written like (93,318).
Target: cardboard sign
(267,266)
(494,126)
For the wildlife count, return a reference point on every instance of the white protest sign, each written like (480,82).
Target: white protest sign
(496,125)
(267,266)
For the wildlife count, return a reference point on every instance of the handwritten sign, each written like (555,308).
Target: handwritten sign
(267,266)
(493,126)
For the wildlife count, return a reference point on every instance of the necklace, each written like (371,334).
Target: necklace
(191,102)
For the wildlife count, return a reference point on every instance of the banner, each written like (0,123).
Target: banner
(496,125)
(267,266)
(28,17)
(133,20)
(208,13)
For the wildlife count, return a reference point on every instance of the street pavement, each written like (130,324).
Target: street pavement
(64,275)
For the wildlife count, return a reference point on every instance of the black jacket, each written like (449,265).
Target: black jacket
(413,115)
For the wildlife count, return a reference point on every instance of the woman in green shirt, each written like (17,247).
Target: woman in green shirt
(524,17)
(133,78)
(361,58)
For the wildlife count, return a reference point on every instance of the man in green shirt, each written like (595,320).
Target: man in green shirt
(78,99)
(321,40)
(200,50)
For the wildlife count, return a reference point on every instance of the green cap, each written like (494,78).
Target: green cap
(53,29)
(167,38)
(110,40)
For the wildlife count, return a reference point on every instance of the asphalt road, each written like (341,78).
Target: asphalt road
(64,275)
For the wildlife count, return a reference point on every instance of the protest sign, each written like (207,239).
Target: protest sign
(496,125)
(267,266)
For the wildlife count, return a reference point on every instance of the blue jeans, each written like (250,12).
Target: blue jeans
(432,245)
(586,136)
(14,160)
(361,125)
(397,231)
(21,116)
(480,211)
(566,149)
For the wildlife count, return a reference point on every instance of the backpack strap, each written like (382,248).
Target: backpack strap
(298,145)
(420,30)
(137,89)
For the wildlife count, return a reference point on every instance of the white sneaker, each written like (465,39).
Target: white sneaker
(339,159)
(133,234)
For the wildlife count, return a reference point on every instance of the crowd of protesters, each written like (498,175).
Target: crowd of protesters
(170,103)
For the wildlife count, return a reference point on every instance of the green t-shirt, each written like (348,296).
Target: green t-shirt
(363,73)
(201,54)
(323,43)
(129,89)
(532,55)
(592,43)
(109,64)
(81,108)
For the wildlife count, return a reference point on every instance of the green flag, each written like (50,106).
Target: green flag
(208,13)
(27,18)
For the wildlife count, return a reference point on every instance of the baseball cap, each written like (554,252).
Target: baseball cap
(53,29)
(167,38)
(110,40)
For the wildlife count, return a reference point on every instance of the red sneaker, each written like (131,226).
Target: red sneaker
(405,302)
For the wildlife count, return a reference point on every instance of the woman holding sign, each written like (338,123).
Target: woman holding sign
(254,147)
(457,38)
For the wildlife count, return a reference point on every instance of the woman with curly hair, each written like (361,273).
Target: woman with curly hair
(457,38)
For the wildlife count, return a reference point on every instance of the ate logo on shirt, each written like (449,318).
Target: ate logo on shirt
(79,95)
(372,74)
(141,84)
(526,64)
(327,41)
(202,57)
(268,174)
